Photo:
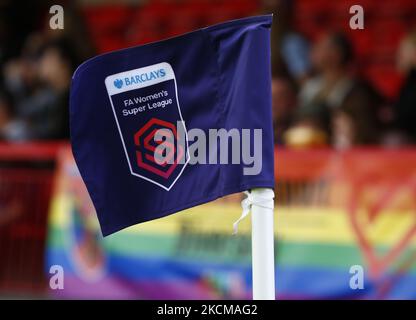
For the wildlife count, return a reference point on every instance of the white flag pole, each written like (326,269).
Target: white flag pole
(262,240)
(260,202)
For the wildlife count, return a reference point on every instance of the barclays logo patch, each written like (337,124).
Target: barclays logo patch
(118,83)
(137,79)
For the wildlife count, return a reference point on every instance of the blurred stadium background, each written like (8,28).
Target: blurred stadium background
(344,112)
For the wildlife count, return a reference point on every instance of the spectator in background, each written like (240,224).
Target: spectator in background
(6,110)
(43,113)
(356,122)
(36,68)
(406,104)
(290,51)
(283,106)
(20,72)
(334,103)
(57,62)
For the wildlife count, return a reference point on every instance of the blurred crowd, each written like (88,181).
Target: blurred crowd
(36,66)
(318,96)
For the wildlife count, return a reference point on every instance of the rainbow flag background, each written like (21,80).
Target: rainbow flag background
(192,254)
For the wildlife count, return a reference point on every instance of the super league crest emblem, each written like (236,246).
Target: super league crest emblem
(147,114)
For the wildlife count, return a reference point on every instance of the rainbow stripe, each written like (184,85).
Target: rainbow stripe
(192,255)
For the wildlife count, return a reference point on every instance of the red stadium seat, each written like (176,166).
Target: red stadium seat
(311,8)
(385,78)
(117,26)
(106,17)
(395,8)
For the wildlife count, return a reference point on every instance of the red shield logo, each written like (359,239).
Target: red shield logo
(147,152)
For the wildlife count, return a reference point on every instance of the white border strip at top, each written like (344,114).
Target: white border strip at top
(112,89)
